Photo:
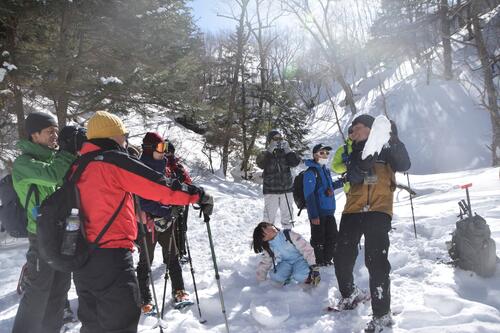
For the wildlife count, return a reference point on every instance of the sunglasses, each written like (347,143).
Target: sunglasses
(324,152)
(277,138)
(161,147)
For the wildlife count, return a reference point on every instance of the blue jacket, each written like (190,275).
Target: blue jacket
(152,207)
(318,203)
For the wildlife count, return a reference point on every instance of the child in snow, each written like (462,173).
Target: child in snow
(288,254)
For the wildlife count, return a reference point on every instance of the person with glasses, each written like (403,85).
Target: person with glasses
(320,203)
(277,161)
(160,224)
(368,213)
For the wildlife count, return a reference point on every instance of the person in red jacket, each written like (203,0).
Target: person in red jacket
(107,287)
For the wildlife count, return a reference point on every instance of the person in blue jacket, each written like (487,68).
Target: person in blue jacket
(320,203)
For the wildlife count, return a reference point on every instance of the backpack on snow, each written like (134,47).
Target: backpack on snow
(52,215)
(471,247)
(298,188)
(12,213)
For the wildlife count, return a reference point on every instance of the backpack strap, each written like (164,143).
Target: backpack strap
(315,187)
(33,189)
(81,164)
(287,236)
(95,244)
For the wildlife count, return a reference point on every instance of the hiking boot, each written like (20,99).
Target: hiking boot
(351,302)
(147,308)
(377,324)
(181,296)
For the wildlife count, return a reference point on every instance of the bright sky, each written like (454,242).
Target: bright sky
(205,14)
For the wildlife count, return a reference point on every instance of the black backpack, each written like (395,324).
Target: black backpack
(12,214)
(298,188)
(471,247)
(52,215)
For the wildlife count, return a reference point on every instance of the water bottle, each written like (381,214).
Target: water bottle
(70,236)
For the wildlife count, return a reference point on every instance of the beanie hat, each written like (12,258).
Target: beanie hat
(364,119)
(37,121)
(105,125)
(272,134)
(149,142)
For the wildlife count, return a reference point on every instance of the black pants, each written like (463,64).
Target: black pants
(375,226)
(170,259)
(108,294)
(42,305)
(323,238)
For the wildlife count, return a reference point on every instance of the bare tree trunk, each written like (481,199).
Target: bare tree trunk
(240,36)
(18,107)
(488,82)
(445,37)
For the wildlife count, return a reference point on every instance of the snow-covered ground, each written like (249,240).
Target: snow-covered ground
(427,294)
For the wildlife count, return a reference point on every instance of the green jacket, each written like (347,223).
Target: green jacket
(41,166)
(338,165)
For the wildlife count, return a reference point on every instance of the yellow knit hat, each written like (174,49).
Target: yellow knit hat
(104,125)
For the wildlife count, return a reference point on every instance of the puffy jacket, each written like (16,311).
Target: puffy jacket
(170,170)
(377,196)
(339,161)
(104,184)
(285,251)
(41,166)
(317,184)
(277,173)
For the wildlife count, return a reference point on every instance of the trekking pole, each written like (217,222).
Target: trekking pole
(217,277)
(202,321)
(172,226)
(160,323)
(411,203)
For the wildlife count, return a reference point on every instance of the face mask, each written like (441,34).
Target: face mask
(323,161)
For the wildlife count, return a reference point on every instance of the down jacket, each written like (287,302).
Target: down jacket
(277,174)
(284,251)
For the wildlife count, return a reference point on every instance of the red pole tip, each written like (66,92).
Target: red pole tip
(466,185)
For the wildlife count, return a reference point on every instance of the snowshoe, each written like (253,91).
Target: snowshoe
(378,324)
(181,299)
(349,303)
(148,309)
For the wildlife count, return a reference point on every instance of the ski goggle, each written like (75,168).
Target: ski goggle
(161,147)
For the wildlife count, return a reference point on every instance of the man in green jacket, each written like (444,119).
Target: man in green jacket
(341,157)
(41,168)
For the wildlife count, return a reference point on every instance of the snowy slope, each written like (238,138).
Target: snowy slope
(442,123)
(429,295)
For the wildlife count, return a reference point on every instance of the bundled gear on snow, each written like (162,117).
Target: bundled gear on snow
(471,247)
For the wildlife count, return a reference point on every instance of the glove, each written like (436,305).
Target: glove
(272,146)
(71,139)
(285,146)
(394,133)
(314,277)
(206,203)
(161,224)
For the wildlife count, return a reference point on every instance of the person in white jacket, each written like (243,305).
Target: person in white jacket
(288,254)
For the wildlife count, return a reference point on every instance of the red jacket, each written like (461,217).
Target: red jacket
(103,185)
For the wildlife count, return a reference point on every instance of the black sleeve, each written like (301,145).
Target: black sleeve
(398,158)
(262,159)
(292,159)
